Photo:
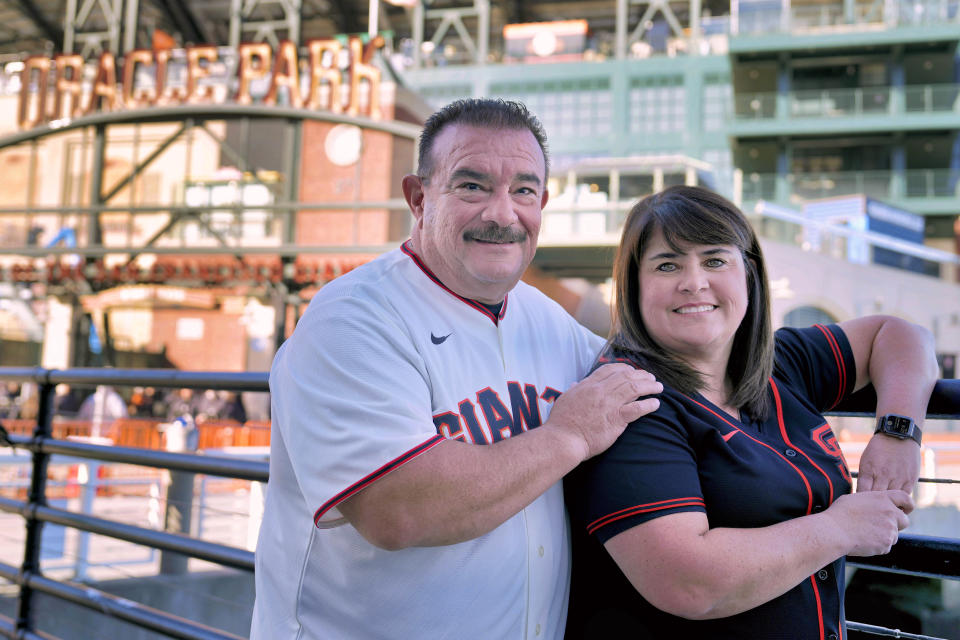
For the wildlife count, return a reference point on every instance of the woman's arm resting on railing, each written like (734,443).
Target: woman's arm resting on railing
(899,359)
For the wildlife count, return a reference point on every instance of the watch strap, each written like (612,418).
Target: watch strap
(898,426)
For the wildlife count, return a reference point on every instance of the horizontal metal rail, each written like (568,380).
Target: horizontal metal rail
(944,400)
(233,381)
(211,551)
(9,630)
(926,556)
(194,463)
(284,208)
(113,606)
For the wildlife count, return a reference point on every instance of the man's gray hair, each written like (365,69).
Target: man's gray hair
(493,113)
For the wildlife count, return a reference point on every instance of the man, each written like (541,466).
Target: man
(415,460)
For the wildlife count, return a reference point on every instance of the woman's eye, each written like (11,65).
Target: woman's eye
(716,262)
(667,266)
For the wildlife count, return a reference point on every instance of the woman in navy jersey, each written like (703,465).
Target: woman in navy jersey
(727,513)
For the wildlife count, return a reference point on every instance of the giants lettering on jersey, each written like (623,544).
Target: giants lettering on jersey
(488,419)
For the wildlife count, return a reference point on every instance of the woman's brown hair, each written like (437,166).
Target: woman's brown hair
(694,215)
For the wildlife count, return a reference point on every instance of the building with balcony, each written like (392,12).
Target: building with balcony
(784,101)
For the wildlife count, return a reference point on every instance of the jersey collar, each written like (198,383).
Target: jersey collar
(407,249)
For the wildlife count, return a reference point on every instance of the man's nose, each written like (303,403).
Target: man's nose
(500,208)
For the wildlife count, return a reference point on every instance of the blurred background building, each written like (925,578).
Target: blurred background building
(179,178)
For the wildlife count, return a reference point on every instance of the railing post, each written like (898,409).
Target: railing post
(37,496)
(181,437)
(89,484)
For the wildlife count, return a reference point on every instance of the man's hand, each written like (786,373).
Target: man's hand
(889,463)
(597,409)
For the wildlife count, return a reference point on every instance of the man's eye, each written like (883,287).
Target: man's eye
(471,186)
(526,191)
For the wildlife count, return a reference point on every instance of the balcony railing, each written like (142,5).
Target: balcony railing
(765,19)
(912,183)
(836,103)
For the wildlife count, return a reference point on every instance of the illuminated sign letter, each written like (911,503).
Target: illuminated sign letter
(65,88)
(133,98)
(248,72)
(286,73)
(195,71)
(105,84)
(320,72)
(361,68)
(42,66)
(162,57)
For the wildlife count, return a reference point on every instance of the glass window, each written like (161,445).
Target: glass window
(658,105)
(571,108)
(717,102)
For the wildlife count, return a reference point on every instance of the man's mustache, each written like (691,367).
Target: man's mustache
(495,233)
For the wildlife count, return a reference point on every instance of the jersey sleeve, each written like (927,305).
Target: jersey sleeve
(649,472)
(819,360)
(350,397)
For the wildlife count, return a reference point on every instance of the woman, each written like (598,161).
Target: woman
(727,513)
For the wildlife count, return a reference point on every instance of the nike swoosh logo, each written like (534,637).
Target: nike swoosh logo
(726,437)
(435,340)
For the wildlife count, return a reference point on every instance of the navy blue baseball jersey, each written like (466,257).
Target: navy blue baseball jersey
(691,456)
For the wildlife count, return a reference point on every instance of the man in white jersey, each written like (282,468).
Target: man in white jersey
(419,433)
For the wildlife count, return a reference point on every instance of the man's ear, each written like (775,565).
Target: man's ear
(544,198)
(412,187)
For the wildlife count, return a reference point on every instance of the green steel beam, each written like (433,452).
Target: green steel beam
(776,43)
(843,125)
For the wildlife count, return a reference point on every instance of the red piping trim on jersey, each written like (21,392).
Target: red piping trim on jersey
(473,303)
(816,594)
(376,475)
(783,433)
(838,357)
(806,483)
(693,501)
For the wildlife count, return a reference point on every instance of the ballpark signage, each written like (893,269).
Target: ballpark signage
(204,272)
(55,90)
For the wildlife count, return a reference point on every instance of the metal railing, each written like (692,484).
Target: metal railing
(764,19)
(886,185)
(36,511)
(835,103)
(913,554)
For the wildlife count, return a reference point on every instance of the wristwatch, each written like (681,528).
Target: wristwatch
(900,427)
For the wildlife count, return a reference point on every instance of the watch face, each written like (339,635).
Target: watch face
(897,425)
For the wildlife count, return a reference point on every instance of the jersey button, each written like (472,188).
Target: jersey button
(817,508)
(538,630)
(823,574)
(540,551)
(832,636)
(790,452)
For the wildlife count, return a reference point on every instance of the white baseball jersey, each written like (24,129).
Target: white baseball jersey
(384,364)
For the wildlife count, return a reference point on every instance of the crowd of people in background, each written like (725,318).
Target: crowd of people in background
(20,401)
